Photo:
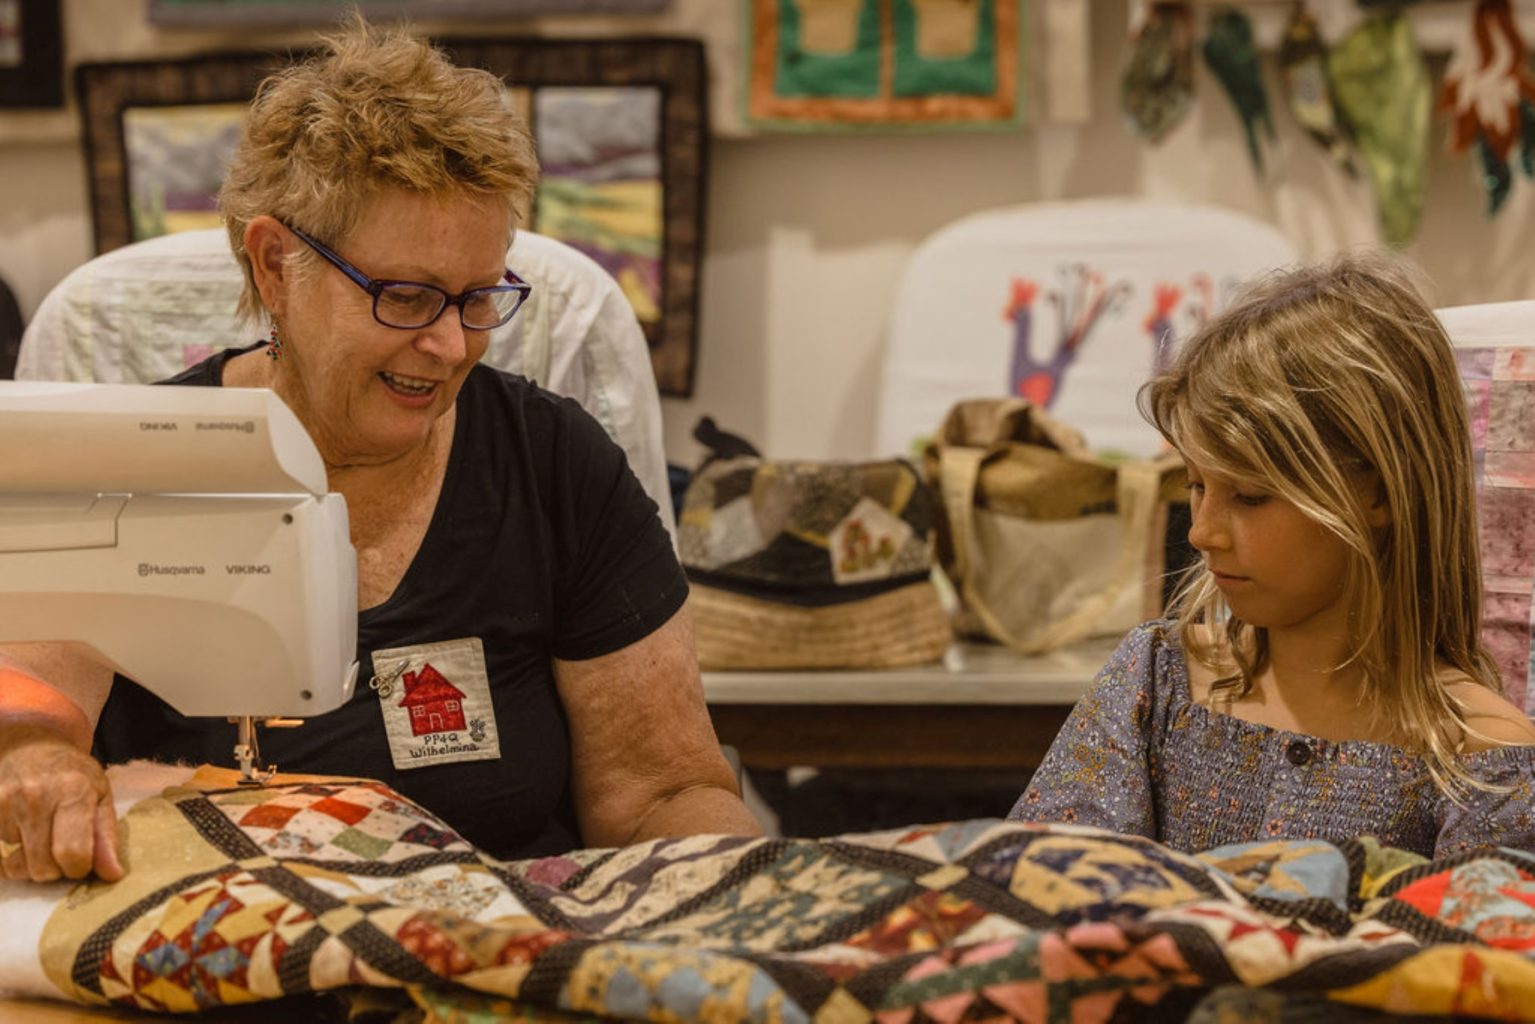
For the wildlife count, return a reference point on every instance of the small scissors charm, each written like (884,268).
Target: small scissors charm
(385,685)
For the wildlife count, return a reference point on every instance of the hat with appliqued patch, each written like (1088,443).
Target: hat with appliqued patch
(810,564)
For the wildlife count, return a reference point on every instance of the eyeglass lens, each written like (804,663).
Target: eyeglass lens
(409,305)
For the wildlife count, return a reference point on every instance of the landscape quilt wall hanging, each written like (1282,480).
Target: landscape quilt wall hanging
(620,127)
(238,895)
(838,64)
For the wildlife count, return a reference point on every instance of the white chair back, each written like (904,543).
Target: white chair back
(1070,305)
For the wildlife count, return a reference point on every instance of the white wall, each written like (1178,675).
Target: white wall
(806,236)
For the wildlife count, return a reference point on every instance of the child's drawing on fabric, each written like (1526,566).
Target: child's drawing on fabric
(1179,310)
(1020,310)
(1160,323)
(1080,303)
(1050,302)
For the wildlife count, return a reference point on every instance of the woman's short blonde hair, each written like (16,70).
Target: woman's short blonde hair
(1317,379)
(376,109)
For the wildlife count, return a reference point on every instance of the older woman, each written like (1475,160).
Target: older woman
(509,565)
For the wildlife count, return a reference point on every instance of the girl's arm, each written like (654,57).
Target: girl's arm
(1098,770)
(1501,818)
(1501,752)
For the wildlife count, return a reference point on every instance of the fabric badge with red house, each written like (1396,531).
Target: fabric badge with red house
(435,705)
(435,699)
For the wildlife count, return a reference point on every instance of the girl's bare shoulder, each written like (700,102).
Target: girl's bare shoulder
(1498,720)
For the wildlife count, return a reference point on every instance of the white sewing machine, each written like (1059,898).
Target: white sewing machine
(186,534)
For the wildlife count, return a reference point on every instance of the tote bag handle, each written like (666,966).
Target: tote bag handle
(1136,490)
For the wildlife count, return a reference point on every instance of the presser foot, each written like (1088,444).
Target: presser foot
(248,753)
(248,750)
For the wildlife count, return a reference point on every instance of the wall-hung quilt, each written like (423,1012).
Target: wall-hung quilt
(841,64)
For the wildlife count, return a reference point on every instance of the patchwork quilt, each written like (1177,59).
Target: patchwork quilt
(236,895)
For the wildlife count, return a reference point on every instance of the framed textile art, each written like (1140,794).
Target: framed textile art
(836,64)
(271,13)
(620,127)
(31,54)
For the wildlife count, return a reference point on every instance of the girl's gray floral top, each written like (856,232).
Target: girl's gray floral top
(1139,756)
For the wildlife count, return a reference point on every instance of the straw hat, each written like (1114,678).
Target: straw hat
(811,565)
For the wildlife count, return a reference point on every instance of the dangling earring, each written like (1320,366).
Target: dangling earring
(274,347)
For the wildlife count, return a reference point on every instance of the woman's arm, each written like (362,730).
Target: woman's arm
(645,759)
(56,814)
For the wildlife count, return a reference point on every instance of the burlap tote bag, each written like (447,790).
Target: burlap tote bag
(1046,543)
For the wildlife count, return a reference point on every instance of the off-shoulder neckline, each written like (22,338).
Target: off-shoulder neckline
(1357,751)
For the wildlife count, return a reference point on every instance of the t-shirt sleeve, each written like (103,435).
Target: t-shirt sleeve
(1098,770)
(1501,817)
(618,579)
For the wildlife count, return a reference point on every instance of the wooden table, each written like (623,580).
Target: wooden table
(983,706)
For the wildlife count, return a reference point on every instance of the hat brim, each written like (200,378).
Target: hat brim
(905,626)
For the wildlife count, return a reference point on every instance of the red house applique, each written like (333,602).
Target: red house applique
(433,703)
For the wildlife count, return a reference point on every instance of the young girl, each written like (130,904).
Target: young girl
(1323,676)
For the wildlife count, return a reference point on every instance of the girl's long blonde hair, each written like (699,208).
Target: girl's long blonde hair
(1317,375)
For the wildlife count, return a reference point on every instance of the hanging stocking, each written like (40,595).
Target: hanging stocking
(1382,89)
(1232,57)
(1527,138)
(1494,174)
(1158,84)
(1488,92)
(1303,66)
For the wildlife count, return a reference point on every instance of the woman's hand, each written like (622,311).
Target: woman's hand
(56,813)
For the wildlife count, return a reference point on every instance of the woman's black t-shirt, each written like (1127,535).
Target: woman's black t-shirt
(543,545)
